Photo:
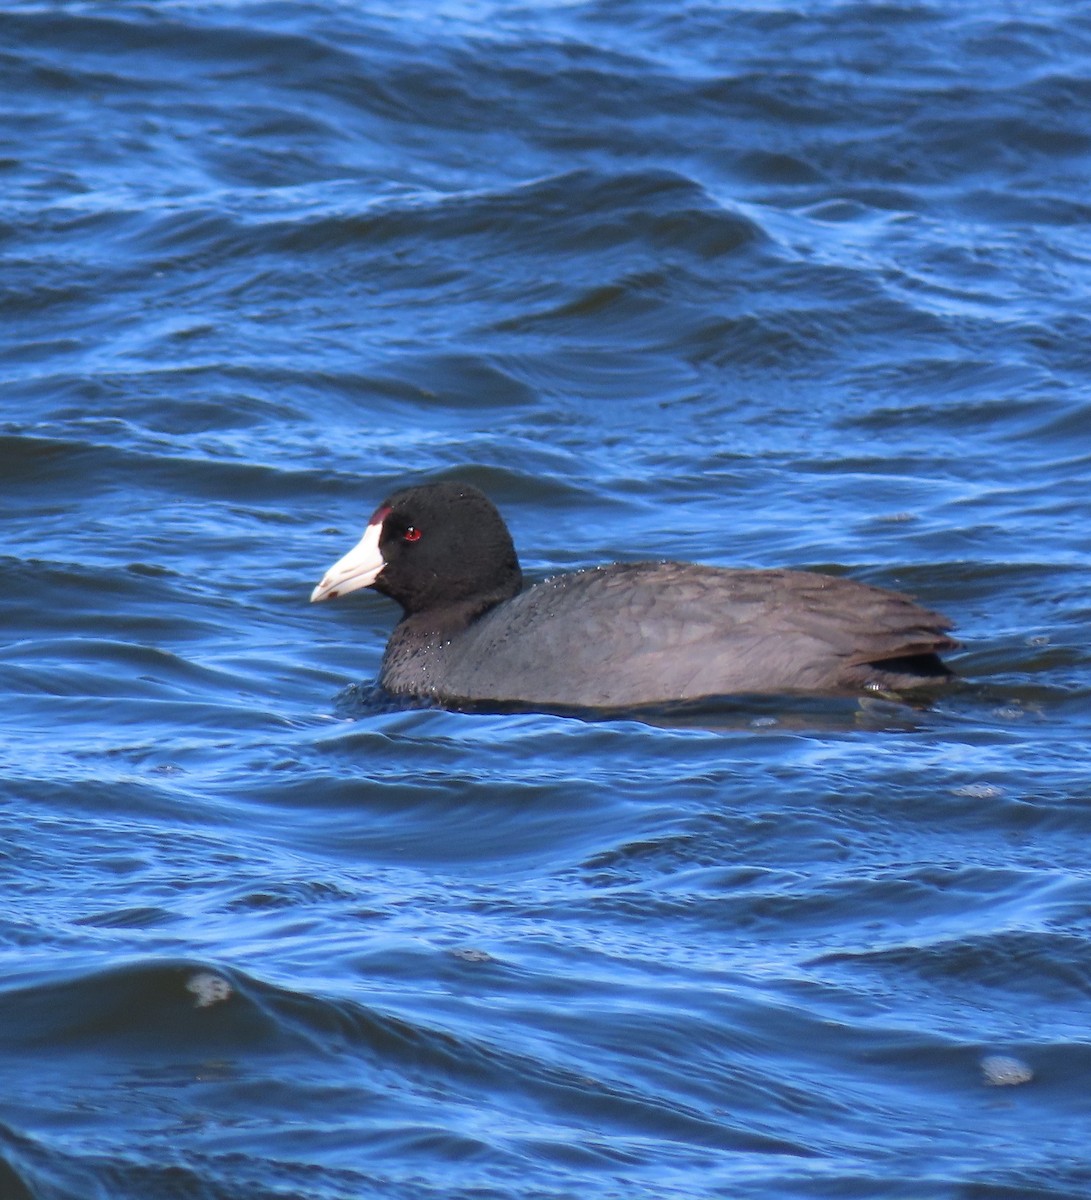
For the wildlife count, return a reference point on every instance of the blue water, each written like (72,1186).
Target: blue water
(757,283)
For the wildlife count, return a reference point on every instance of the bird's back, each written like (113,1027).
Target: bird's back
(648,633)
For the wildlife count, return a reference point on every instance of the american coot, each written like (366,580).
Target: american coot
(623,635)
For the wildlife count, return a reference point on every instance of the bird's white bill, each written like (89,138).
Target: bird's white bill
(358,569)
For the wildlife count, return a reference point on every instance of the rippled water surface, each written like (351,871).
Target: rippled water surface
(758,283)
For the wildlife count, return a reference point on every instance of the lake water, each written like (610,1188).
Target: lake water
(761,284)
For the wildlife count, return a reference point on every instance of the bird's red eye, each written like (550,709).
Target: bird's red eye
(412,534)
